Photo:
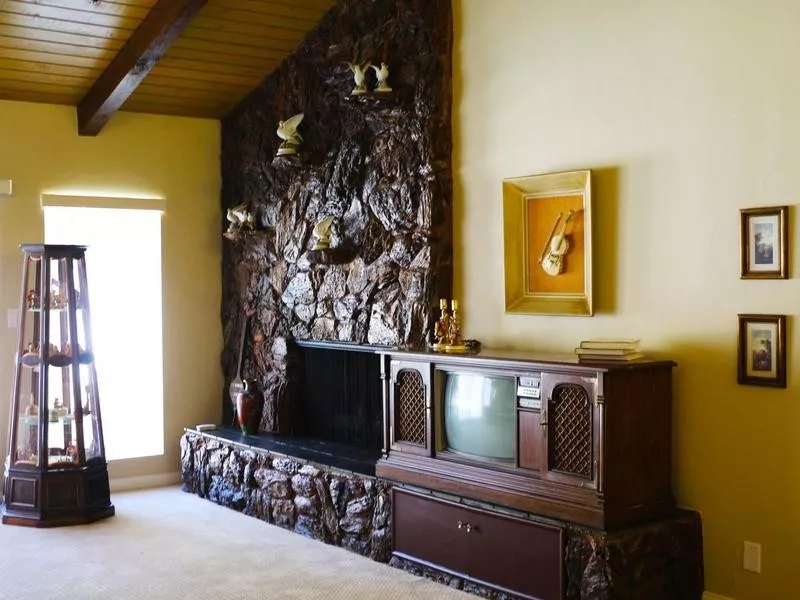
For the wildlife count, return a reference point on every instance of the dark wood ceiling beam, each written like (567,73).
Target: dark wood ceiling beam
(148,43)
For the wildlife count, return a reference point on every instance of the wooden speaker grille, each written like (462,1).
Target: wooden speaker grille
(571,443)
(410,408)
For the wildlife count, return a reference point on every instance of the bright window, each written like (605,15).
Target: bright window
(123,267)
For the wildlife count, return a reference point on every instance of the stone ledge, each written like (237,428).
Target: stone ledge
(336,507)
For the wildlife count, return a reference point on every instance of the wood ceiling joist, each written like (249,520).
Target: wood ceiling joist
(156,33)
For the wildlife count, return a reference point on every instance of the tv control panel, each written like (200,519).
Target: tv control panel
(529,391)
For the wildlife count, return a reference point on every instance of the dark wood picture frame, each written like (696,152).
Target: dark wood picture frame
(762,350)
(764,240)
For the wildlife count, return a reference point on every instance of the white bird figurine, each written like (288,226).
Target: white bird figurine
(239,218)
(382,74)
(360,77)
(287,131)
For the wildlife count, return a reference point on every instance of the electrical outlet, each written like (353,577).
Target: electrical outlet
(751,559)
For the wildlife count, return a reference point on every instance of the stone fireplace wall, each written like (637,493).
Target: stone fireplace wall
(378,165)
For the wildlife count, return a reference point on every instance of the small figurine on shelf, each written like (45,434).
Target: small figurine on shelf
(448,330)
(287,131)
(360,78)
(239,219)
(382,74)
(32,300)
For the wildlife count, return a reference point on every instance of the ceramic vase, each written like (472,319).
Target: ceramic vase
(246,405)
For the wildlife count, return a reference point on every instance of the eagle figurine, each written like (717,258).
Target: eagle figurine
(287,131)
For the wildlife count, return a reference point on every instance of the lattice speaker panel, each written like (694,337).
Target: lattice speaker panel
(571,431)
(410,407)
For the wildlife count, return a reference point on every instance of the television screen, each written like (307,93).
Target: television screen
(479,415)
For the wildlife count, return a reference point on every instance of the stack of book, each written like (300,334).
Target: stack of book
(609,349)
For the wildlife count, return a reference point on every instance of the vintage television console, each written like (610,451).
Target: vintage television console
(570,442)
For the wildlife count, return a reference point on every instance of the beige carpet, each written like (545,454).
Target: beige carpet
(164,543)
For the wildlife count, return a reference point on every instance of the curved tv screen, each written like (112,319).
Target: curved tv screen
(479,415)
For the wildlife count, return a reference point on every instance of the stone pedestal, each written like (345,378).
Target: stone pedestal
(337,507)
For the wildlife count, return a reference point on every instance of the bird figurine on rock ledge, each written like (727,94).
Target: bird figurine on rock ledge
(239,219)
(287,131)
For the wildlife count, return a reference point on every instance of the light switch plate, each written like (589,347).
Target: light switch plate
(751,560)
(5,187)
(12,316)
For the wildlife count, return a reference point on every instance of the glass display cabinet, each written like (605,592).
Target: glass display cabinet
(56,471)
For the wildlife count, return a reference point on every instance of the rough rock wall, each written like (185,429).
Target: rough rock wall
(377,164)
(342,509)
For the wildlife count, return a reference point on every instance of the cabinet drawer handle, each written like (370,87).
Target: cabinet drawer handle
(461,524)
(465,525)
(469,527)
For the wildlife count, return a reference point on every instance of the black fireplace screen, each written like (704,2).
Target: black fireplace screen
(340,397)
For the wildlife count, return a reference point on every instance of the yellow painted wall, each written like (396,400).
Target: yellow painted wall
(135,155)
(687,111)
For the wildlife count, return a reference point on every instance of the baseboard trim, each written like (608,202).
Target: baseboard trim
(713,596)
(125,484)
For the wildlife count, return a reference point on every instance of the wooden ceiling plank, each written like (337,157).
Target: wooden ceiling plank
(69,39)
(53,58)
(38,97)
(299,10)
(214,68)
(81,83)
(163,24)
(47,68)
(251,29)
(237,46)
(217,79)
(73,27)
(7,83)
(116,9)
(275,38)
(220,14)
(58,12)
(212,52)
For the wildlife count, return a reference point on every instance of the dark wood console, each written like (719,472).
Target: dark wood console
(592,443)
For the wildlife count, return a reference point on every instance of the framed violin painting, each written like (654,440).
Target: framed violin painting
(763,245)
(547,228)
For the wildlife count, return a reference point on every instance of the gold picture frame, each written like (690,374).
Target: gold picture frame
(762,350)
(547,230)
(763,243)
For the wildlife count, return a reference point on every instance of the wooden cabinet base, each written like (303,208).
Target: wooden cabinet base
(60,497)
(658,560)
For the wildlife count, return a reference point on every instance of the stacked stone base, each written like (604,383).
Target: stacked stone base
(339,508)
(660,560)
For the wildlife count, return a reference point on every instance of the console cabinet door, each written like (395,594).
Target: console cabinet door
(410,407)
(430,531)
(570,422)
(504,552)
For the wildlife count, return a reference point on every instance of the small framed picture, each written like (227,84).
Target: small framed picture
(762,350)
(763,244)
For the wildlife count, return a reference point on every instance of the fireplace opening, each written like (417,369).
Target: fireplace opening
(339,395)
(335,395)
